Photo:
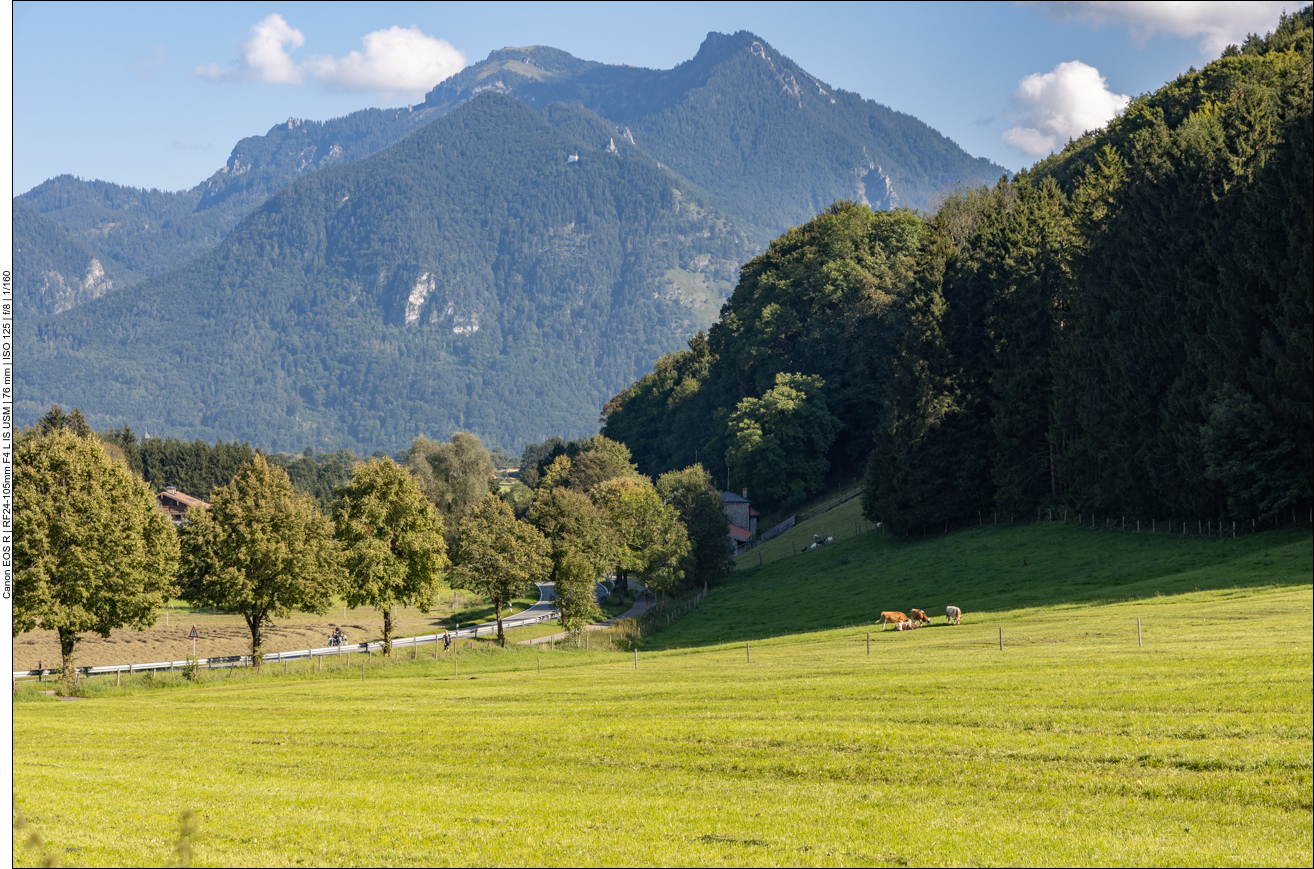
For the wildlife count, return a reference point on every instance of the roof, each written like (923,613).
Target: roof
(743,535)
(752,511)
(732,498)
(182,498)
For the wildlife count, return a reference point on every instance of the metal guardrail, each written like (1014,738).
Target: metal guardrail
(229,661)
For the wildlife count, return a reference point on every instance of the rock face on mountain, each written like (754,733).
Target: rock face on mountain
(503,258)
(147,232)
(57,273)
(473,276)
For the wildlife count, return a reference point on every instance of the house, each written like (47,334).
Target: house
(175,503)
(743,519)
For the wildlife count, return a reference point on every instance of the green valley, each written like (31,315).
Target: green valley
(1072,744)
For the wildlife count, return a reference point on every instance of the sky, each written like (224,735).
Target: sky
(157,94)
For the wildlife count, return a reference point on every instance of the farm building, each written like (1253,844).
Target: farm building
(175,503)
(743,519)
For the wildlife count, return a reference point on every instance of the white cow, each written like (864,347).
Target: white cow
(953,614)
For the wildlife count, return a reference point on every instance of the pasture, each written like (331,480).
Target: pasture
(1072,745)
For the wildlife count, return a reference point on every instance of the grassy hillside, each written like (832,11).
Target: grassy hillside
(988,572)
(1073,745)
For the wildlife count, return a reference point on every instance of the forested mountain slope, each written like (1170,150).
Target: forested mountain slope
(147,232)
(472,276)
(768,142)
(56,271)
(1126,329)
(745,123)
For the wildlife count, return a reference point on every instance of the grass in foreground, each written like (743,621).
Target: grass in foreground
(1072,745)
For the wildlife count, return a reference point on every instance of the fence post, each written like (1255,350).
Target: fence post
(748,653)
(869,643)
(1001,639)
(636,659)
(1138,634)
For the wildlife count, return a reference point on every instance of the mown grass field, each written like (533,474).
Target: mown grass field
(222,635)
(1073,745)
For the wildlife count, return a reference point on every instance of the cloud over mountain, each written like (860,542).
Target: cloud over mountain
(1060,105)
(398,60)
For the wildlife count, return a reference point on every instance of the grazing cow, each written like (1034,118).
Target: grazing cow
(892,618)
(919,616)
(953,614)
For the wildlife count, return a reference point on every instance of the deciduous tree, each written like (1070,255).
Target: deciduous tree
(92,549)
(691,493)
(261,551)
(498,556)
(582,546)
(778,443)
(454,476)
(392,540)
(653,542)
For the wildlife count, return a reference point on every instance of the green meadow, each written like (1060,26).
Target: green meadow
(757,728)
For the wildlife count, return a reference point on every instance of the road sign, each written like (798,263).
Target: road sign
(193,635)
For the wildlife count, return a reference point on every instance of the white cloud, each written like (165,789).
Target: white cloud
(397,60)
(264,53)
(1215,24)
(1060,105)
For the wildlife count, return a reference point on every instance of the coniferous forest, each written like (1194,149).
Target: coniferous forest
(1123,329)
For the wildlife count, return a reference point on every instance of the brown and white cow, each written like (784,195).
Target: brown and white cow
(953,614)
(919,616)
(893,618)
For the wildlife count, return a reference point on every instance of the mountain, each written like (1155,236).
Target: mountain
(772,143)
(490,272)
(449,265)
(57,271)
(143,233)
(769,143)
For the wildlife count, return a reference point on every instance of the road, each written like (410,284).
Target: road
(540,612)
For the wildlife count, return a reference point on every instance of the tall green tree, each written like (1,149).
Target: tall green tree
(498,556)
(392,541)
(92,549)
(653,542)
(454,476)
(698,504)
(261,551)
(582,546)
(778,444)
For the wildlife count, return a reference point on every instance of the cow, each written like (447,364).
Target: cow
(919,616)
(892,618)
(953,614)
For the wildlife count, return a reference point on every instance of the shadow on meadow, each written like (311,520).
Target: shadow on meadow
(981,570)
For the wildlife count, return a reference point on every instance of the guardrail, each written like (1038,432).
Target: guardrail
(231,661)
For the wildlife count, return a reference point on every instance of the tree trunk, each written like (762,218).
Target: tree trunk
(67,640)
(387,631)
(497,611)
(255,622)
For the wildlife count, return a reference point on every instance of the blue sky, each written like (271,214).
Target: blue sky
(156,95)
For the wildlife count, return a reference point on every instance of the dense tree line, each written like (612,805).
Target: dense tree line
(93,552)
(1126,327)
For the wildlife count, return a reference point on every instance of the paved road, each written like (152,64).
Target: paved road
(540,612)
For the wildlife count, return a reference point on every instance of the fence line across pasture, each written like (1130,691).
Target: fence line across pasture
(1211,528)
